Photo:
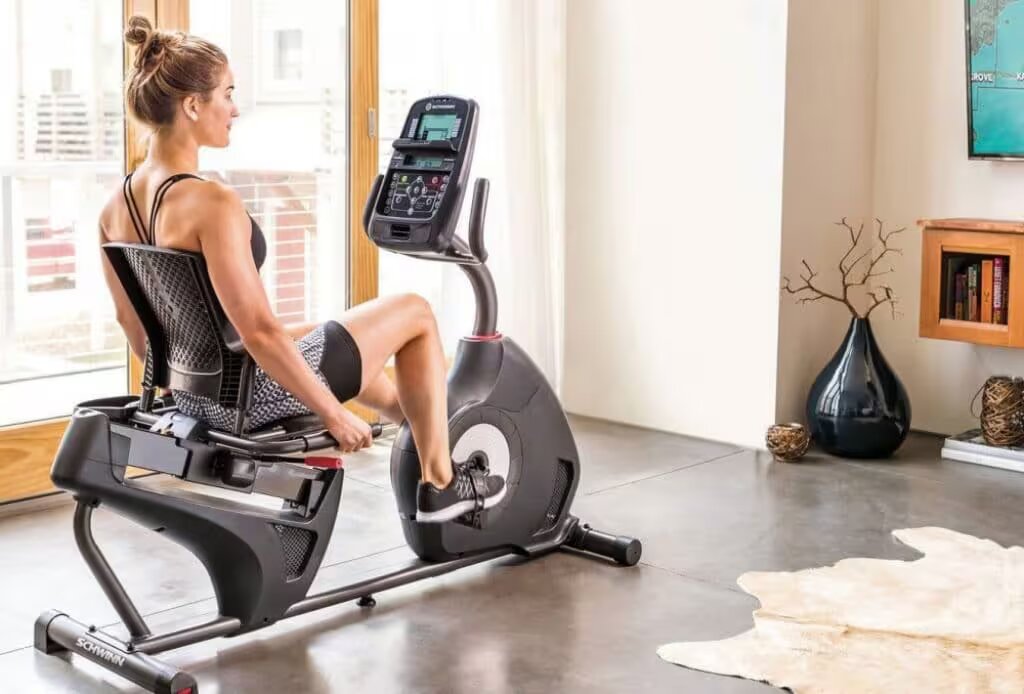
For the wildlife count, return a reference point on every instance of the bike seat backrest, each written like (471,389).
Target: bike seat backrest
(192,345)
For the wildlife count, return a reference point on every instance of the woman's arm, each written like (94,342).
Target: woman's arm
(224,236)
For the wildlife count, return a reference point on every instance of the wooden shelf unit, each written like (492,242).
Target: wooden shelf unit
(971,237)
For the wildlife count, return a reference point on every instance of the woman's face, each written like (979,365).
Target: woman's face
(212,125)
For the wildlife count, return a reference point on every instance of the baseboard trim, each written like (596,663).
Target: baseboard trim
(34,504)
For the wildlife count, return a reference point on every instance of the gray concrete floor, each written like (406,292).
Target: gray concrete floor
(706,512)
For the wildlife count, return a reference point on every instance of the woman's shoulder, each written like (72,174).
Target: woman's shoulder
(201,199)
(206,193)
(210,200)
(188,199)
(112,212)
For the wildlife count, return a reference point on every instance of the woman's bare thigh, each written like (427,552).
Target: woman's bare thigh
(380,327)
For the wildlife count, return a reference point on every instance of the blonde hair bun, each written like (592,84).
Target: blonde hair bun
(139,30)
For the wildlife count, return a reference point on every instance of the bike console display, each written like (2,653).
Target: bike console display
(414,206)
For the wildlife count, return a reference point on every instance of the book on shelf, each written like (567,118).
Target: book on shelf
(985,313)
(976,290)
(1006,290)
(998,283)
(971,310)
(961,290)
(949,285)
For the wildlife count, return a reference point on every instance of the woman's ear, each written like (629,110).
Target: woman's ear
(190,105)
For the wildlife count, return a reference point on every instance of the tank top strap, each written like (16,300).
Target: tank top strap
(158,199)
(133,210)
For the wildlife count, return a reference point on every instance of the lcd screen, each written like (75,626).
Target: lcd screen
(421,162)
(435,126)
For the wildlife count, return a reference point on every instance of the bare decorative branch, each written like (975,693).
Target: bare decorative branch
(879,296)
(854,240)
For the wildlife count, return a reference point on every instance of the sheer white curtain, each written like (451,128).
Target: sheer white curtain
(508,55)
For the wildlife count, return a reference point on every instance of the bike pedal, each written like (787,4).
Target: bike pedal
(473,519)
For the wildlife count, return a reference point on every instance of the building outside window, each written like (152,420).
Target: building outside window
(288,54)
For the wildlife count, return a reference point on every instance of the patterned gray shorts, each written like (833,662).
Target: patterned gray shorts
(332,355)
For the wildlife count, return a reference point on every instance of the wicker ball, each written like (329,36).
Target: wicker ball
(787,442)
(1002,408)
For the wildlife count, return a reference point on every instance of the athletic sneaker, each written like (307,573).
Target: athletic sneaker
(470,491)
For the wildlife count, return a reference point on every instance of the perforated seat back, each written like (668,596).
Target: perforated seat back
(192,345)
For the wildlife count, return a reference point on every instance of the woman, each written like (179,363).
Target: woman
(181,88)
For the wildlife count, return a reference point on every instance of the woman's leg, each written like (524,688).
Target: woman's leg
(379,395)
(382,396)
(297,331)
(404,326)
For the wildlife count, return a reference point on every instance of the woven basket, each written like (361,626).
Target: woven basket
(1002,410)
(787,442)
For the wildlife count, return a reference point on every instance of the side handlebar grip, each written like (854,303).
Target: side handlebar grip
(371,201)
(325,440)
(476,219)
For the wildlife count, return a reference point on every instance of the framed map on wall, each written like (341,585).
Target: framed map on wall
(995,70)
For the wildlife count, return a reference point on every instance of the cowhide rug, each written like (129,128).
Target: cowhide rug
(952,621)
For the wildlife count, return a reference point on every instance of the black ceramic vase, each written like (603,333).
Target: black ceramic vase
(857,407)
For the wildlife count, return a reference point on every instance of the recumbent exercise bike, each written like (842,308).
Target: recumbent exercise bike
(503,416)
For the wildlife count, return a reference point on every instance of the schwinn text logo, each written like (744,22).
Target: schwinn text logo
(100,652)
(443,107)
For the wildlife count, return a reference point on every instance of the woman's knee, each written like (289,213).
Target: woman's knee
(418,310)
(383,326)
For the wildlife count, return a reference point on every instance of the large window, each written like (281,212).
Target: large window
(287,156)
(62,154)
(61,148)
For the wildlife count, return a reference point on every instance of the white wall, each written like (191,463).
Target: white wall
(829,167)
(875,126)
(675,116)
(922,170)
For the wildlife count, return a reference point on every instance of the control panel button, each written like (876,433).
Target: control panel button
(445,179)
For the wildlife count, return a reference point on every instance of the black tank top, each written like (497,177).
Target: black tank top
(257,242)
